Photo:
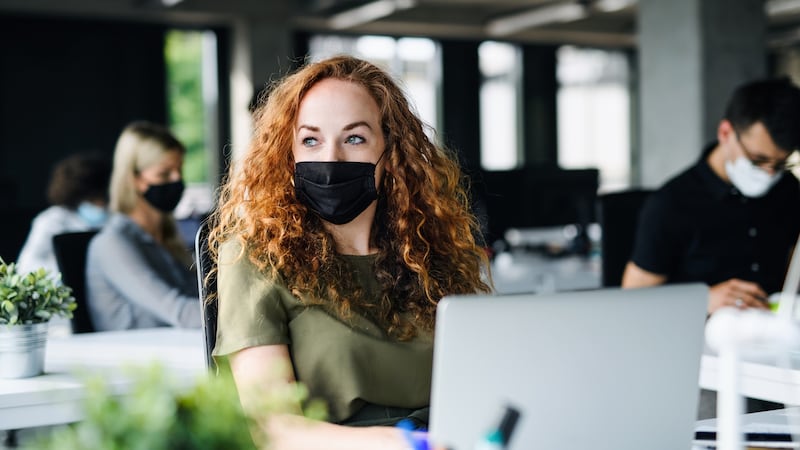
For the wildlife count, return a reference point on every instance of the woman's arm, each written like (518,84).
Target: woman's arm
(266,370)
(123,265)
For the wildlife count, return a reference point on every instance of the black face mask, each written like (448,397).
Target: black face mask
(164,197)
(338,191)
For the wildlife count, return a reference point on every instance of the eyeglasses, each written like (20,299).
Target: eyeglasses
(767,163)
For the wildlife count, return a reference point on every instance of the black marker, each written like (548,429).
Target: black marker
(498,438)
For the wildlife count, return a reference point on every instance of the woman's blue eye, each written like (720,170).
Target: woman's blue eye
(354,139)
(309,141)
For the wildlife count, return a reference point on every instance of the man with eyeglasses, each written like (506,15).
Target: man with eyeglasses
(732,219)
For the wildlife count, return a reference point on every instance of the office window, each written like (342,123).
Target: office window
(500,66)
(787,63)
(594,113)
(413,62)
(192,96)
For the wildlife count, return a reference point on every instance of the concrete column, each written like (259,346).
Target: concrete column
(262,52)
(692,54)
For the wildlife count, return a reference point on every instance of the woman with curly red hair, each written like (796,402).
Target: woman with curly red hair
(336,237)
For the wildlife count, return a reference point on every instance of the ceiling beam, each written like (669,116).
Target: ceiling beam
(536,17)
(368,12)
(457,31)
(781,7)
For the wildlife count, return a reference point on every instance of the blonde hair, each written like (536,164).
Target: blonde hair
(141,145)
(424,229)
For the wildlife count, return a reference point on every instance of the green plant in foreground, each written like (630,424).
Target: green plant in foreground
(34,297)
(158,414)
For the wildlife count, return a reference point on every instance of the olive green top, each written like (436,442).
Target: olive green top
(348,363)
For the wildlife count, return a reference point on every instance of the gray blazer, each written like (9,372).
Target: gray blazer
(134,282)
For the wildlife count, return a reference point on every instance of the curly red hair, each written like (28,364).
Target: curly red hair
(424,229)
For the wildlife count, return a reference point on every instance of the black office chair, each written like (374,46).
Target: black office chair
(618,214)
(207,287)
(70,251)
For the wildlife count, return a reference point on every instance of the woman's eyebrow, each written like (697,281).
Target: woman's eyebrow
(308,127)
(360,123)
(350,126)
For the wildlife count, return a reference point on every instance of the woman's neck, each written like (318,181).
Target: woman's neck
(149,219)
(353,238)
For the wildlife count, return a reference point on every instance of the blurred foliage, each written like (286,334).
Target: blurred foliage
(158,414)
(184,57)
(35,297)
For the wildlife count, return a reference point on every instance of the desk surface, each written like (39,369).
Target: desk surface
(55,397)
(524,271)
(769,429)
(178,349)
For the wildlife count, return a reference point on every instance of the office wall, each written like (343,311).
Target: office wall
(67,85)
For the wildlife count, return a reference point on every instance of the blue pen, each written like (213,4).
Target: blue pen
(417,440)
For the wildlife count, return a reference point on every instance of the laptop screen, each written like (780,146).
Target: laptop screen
(605,369)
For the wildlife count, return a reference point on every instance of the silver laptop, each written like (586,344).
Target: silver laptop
(608,369)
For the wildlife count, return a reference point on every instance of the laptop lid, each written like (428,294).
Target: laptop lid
(605,369)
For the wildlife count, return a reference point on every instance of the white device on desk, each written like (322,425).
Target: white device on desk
(608,369)
(734,334)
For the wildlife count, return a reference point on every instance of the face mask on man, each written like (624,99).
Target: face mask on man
(164,197)
(338,191)
(92,214)
(749,179)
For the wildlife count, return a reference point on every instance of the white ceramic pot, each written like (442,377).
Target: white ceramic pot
(22,350)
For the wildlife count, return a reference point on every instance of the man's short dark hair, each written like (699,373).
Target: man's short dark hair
(80,177)
(773,102)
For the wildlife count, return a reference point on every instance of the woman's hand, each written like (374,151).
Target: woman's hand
(292,432)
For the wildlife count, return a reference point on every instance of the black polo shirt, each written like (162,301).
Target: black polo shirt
(697,227)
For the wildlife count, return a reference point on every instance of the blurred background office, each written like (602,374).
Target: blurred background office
(550,104)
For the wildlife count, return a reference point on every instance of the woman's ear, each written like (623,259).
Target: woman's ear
(139,184)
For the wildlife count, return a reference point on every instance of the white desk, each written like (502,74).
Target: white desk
(521,271)
(768,429)
(763,378)
(55,397)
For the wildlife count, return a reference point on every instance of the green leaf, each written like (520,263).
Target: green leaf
(33,297)
(9,307)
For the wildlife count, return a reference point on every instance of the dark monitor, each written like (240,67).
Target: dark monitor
(535,197)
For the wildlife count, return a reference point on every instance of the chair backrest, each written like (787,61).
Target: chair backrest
(618,214)
(207,287)
(70,252)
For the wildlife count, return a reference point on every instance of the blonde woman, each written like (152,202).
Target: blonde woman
(335,242)
(138,271)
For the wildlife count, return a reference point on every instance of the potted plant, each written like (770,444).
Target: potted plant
(27,303)
(157,413)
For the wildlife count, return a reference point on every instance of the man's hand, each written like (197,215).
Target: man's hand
(737,293)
